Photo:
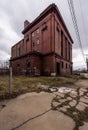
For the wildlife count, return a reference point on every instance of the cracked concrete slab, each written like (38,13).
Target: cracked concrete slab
(50,121)
(72,103)
(81,106)
(82,99)
(26,106)
(84,127)
(47,111)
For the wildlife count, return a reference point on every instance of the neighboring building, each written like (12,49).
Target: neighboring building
(46,48)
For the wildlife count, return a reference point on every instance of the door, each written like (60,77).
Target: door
(58,68)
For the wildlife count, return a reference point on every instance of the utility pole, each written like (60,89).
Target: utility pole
(10,80)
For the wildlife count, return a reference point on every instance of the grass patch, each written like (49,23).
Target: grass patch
(23,84)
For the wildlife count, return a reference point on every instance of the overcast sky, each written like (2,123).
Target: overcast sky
(13,13)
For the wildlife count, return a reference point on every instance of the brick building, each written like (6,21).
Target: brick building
(46,48)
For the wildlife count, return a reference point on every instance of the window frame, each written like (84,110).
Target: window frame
(33,34)
(62,64)
(38,41)
(33,44)
(37,30)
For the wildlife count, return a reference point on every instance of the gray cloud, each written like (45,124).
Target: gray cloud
(13,14)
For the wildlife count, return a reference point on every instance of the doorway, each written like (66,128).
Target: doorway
(58,68)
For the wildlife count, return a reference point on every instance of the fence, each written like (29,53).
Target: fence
(4,71)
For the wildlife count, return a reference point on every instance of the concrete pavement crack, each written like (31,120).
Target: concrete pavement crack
(32,118)
(78,116)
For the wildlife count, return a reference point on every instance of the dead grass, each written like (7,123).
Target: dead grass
(23,84)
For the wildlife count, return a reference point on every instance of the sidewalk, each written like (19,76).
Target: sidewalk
(30,105)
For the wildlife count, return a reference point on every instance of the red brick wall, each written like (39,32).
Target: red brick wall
(49,65)
(44,36)
(22,65)
(58,39)
(15,49)
(19,65)
(36,62)
(49,41)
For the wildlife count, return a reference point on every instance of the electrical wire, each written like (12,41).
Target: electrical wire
(83,21)
(74,19)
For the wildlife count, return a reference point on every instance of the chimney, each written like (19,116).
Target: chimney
(26,23)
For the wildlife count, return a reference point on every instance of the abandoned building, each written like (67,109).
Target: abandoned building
(46,48)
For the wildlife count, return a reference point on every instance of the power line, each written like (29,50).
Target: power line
(83,21)
(74,19)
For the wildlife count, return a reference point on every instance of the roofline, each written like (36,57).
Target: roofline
(39,54)
(38,18)
(62,20)
(27,54)
(17,43)
(49,8)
